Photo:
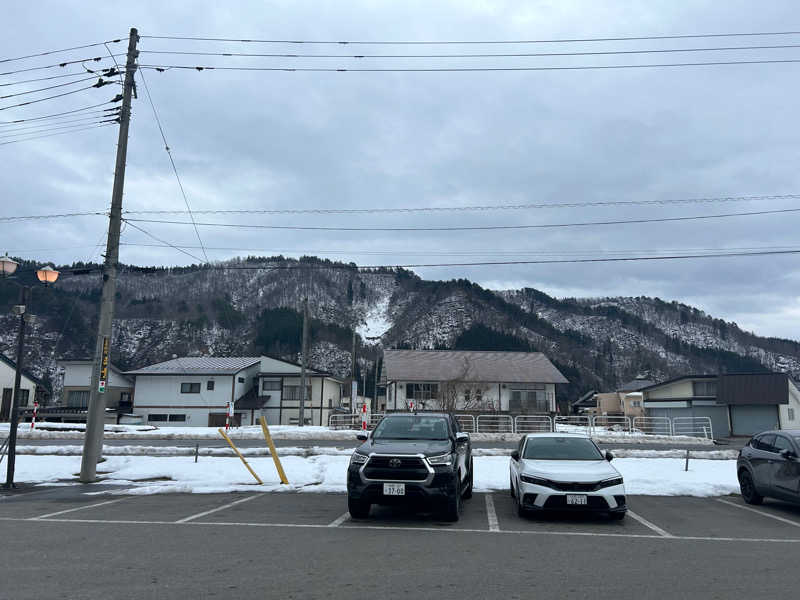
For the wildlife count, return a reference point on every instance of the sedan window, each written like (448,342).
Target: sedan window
(561,448)
(765,443)
(781,443)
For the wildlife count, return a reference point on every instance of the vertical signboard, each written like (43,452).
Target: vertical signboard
(101,386)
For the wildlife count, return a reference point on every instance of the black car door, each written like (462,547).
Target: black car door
(761,457)
(786,470)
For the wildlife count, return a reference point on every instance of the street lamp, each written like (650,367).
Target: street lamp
(46,275)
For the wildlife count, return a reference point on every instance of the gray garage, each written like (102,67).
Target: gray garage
(747,419)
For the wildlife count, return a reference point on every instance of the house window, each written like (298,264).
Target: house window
(240,379)
(704,388)
(78,398)
(23,397)
(156,417)
(529,401)
(636,403)
(421,392)
(190,388)
(791,414)
(174,418)
(270,385)
(210,386)
(292,392)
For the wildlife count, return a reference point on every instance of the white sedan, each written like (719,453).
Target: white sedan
(565,471)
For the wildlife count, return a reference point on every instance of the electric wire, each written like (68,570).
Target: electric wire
(50,87)
(48,52)
(473,227)
(53,134)
(179,249)
(56,216)
(61,64)
(69,119)
(45,129)
(83,89)
(172,162)
(35,79)
(472,42)
(474,55)
(66,112)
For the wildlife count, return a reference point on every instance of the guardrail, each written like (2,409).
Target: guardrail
(374,419)
(693,426)
(612,423)
(652,425)
(467,423)
(344,421)
(572,423)
(495,424)
(533,424)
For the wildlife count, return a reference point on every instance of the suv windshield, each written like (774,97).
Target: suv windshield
(561,448)
(411,427)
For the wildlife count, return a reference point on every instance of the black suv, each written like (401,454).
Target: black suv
(769,465)
(412,458)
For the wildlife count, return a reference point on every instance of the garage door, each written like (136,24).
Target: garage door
(748,419)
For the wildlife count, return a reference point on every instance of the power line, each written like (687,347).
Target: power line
(162,68)
(57,216)
(62,64)
(35,79)
(179,249)
(48,52)
(485,207)
(50,87)
(172,162)
(476,42)
(100,83)
(53,134)
(475,227)
(67,112)
(70,119)
(46,129)
(474,55)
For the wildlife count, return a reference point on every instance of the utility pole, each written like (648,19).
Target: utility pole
(303,390)
(95,417)
(24,298)
(353,380)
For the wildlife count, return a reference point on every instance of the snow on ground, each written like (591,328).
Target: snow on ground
(327,473)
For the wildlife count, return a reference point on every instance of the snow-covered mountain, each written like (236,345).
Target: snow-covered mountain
(252,305)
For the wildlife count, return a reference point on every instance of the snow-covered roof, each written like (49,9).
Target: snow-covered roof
(469,365)
(202,365)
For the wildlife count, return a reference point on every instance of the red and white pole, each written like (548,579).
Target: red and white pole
(35,412)
(228,416)
(364,416)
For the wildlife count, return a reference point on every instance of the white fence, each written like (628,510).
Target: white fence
(467,423)
(572,423)
(612,423)
(533,424)
(652,425)
(693,426)
(374,419)
(495,424)
(344,421)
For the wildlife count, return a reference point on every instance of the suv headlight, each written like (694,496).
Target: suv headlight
(441,459)
(535,480)
(358,459)
(609,482)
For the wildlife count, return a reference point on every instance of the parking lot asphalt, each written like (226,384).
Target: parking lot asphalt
(82,542)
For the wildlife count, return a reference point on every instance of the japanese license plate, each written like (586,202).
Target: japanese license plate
(576,499)
(394,489)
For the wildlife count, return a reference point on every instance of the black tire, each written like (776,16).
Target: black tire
(358,509)
(452,507)
(468,490)
(748,488)
(617,516)
(511,486)
(521,512)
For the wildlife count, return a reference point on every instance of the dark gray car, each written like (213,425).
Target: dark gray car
(769,465)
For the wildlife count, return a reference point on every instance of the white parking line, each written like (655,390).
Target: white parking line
(491,514)
(640,536)
(760,512)
(213,510)
(648,524)
(339,520)
(69,510)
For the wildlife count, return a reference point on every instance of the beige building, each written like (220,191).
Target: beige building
(76,384)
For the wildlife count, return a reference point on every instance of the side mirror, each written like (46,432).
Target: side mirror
(515,455)
(362,436)
(609,456)
(462,438)
(788,454)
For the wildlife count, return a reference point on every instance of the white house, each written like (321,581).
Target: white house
(29,387)
(192,391)
(510,382)
(77,379)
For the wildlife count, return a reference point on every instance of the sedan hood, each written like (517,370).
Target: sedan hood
(426,447)
(578,471)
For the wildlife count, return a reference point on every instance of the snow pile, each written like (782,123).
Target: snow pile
(327,473)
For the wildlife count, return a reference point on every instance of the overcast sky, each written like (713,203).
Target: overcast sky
(277,140)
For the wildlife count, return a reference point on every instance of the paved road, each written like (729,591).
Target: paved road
(257,443)
(63,543)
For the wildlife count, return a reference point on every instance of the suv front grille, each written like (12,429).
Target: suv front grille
(410,468)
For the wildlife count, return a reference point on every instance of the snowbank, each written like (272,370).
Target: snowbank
(327,473)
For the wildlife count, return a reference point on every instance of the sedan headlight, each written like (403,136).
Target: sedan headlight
(609,482)
(535,480)
(358,459)
(441,460)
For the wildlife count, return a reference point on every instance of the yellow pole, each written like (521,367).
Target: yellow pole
(239,454)
(272,450)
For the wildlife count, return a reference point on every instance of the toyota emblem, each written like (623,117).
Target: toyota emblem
(395,462)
